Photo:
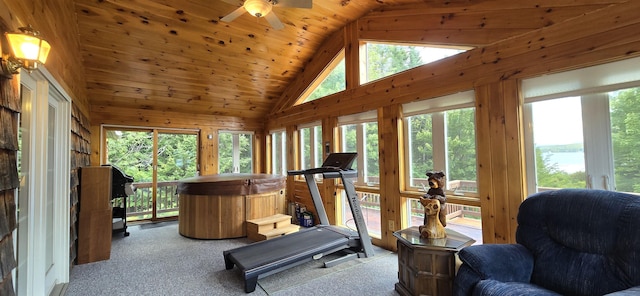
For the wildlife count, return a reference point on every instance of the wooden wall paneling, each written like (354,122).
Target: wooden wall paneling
(460,6)
(57,23)
(154,118)
(208,151)
(391,159)
(95,141)
(301,195)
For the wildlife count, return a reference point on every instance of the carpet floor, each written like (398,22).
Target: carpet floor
(156,260)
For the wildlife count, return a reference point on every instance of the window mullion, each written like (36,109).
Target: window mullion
(530,153)
(236,153)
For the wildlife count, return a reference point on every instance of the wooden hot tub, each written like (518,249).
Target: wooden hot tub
(217,206)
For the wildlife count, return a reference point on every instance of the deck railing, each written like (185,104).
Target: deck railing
(140,204)
(372,201)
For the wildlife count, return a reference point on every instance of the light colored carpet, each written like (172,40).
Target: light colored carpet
(156,260)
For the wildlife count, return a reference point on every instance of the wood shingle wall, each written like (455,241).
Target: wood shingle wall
(9,114)
(80,157)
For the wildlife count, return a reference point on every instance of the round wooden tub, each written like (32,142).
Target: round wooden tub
(217,206)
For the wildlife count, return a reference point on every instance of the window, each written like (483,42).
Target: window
(440,135)
(311,146)
(359,133)
(332,80)
(279,152)
(235,152)
(156,159)
(584,127)
(333,83)
(382,60)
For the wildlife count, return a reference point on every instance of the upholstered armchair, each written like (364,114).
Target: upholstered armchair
(569,242)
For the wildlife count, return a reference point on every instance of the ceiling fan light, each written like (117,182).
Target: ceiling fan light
(258,8)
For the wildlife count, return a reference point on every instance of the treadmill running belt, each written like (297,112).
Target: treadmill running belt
(270,256)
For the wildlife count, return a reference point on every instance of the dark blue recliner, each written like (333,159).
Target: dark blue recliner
(569,242)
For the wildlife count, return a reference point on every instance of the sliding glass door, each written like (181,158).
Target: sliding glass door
(156,159)
(177,158)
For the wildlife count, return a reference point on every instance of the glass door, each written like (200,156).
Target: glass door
(156,159)
(177,158)
(132,152)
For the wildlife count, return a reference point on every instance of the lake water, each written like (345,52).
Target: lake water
(569,162)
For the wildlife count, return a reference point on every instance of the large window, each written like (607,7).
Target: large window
(334,82)
(378,60)
(382,60)
(440,136)
(235,152)
(584,128)
(279,152)
(359,133)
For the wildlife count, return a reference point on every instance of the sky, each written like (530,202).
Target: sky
(557,122)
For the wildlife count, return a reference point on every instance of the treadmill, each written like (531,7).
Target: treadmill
(268,257)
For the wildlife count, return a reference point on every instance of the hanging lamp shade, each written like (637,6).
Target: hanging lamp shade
(258,8)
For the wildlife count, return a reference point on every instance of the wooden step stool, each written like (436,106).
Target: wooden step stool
(270,227)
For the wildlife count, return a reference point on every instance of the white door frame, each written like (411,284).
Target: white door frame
(46,91)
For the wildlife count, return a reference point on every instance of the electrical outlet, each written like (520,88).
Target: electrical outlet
(392,225)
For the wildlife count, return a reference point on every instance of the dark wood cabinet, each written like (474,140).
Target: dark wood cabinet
(427,266)
(95,214)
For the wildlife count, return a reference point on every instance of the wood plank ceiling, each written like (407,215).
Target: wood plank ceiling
(177,56)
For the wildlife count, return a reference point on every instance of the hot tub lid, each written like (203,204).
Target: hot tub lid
(231,184)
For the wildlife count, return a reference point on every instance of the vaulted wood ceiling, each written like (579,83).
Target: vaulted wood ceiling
(176,55)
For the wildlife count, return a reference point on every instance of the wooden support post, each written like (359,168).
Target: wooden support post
(500,151)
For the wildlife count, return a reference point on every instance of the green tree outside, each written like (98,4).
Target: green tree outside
(625,134)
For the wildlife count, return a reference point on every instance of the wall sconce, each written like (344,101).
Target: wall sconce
(28,50)
(258,8)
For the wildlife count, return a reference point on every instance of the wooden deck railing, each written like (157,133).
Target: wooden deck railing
(140,204)
(372,200)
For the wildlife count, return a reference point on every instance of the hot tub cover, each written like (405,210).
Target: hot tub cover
(231,184)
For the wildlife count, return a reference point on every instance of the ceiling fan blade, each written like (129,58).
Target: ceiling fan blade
(232,16)
(295,3)
(274,21)
(234,2)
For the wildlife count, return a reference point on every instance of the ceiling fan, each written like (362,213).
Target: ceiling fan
(262,8)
